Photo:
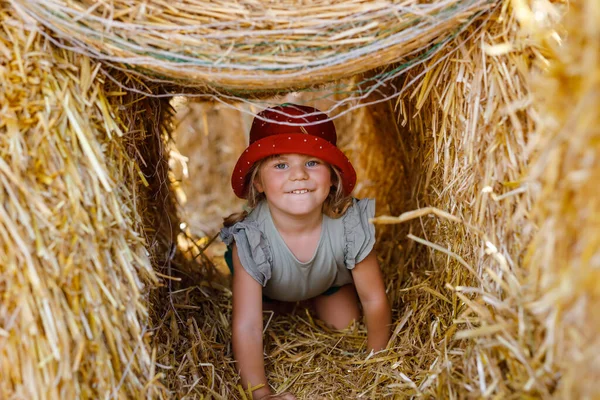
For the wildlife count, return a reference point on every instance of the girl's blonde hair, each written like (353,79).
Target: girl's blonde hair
(335,204)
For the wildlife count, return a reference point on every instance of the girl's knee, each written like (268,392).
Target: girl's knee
(339,309)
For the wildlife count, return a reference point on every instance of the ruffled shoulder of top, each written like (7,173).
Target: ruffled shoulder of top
(253,249)
(359,233)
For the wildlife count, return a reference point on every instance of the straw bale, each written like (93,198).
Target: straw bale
(79,167)
(563,259)
(469,116)
(251,46)
(497,271)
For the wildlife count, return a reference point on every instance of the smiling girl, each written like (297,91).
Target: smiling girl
(305,238)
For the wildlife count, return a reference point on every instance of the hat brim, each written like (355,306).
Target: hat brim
(289,143)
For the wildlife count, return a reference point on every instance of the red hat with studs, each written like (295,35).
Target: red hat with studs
(291,128)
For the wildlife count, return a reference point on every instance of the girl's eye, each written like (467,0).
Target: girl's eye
(312,163)
(280,166)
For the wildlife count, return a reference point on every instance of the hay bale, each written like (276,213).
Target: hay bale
(255,46)
(502,285)
(76,266)
(563,258)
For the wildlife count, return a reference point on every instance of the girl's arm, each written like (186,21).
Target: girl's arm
(376,307)
(247,329)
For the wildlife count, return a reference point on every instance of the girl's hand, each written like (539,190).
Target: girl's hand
(280,396)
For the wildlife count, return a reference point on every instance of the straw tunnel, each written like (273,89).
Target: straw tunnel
(120,124)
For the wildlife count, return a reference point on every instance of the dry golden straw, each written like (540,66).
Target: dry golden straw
(485,166)
(252,45)
(74,261)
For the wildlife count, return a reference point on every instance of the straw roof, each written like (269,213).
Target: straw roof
(250,46)
(491,265)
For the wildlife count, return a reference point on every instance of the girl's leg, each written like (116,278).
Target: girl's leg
(339,309)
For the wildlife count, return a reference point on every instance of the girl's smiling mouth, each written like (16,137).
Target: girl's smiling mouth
(299,191)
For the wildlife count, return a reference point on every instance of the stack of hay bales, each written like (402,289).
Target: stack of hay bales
(492,280)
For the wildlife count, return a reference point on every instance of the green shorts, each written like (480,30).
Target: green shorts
(229,260)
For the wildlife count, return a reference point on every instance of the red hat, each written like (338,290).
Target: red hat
(270,135)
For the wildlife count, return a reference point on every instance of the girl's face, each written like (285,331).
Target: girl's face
(295,184)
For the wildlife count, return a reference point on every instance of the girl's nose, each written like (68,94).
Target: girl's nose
(298,173)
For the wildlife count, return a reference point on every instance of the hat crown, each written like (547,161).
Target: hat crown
(273,121)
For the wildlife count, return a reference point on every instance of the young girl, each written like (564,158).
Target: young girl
(304,239)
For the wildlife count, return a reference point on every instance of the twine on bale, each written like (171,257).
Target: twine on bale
(390,40)
(247,47)
(344,97)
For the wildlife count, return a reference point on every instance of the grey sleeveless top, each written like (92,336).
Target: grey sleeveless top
(344,242)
